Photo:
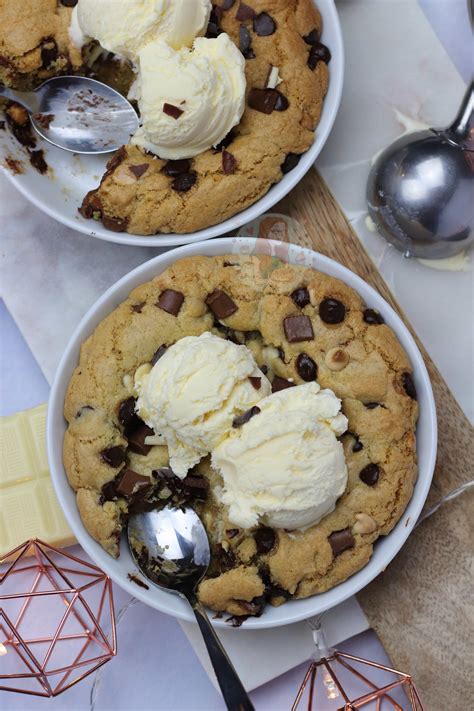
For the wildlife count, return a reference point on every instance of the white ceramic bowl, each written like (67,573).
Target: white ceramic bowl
(385,548)
(74,176)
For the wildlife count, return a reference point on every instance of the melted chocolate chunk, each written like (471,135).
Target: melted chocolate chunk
(221,304)
(312,37)
(127,416)
(49,52)
(177,167)
(280,384)
(37,161)
(290,162)
(409,386)
(137,308)
(372,405)
(130,483)
(158,353)
(184,181)
(229,163)
(306,368)
(281,354)
(115,224)
(332,311)
(245,12)
(136,439)
(256,382)
(264,369)
(263,100)
(245,43)
(108,492)
(264,25)
(301,297)
(226,141)
(170,301)
(213,28)
(370,474)
(90,205)
(134,579)
(341,541)
(373,317)
(245,417)
(357,446)
(265,539)
(227,4)
(195,487)
(138,170)
(172,110)
(230,334)
(114,456)
(298,328)
(318,53)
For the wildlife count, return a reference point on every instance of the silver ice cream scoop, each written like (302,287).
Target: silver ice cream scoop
(420,191)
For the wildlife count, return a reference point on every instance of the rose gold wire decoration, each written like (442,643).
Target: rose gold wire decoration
(341,682)
(54,613)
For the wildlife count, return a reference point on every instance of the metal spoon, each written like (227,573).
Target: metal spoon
(420,189)
(171,549)
(78,114)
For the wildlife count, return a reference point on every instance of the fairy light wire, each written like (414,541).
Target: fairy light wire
(314,622)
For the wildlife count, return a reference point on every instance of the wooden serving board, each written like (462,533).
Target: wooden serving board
(422,605)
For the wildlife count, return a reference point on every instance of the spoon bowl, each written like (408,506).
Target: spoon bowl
(171,549)
(78,114)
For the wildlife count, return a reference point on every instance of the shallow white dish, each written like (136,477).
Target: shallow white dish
(294,610)
(73,176)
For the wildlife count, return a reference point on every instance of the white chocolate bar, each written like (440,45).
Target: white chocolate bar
(28,504)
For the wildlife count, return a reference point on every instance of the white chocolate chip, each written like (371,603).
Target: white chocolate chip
(270,353)
(155,439)
(336,359)
(364,524)
(128,382)
(273,78)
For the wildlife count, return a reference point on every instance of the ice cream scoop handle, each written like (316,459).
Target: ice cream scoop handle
(235,696)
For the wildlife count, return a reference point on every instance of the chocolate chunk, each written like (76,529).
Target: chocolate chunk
(184,182)
(265,539)
(255,607)
(227,4)
(263,100)
(232,532)
(173,111)
(409,386)
(37,161)
(372,405)
(226,141)
(245,417)
(213,27)
(137,308)
(245,12)
(90,204)
(130,483)
(177,167)
(312,37)
(114,456)
(332,311)
(318,53)
(281,354)
(280,384)
(357,446)
(158,353)
(115,224)
(108,492)
(136,439)
(116,160)
(256,382)
(282,102)
(170,301)
(341,541)
(49,52)
(69,3)
(290,162)
(245,42)
(230,334)
(229,163)
(370,474)
(195,487)
(373,317)
(298,328)
(306,368)
(264,369)
(301,297)
(221,304)
(264,25)
(127,415)
(138,170)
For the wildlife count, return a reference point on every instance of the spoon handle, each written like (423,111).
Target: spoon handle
(235,696)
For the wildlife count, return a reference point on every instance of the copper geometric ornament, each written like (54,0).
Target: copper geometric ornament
(54,613)
(332,672)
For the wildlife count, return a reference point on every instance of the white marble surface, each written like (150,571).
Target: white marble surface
(51,275)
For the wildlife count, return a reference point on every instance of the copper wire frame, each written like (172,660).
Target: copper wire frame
(379,695)
(42,567)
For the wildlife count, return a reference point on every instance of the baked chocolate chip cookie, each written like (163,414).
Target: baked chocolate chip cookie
(301,326)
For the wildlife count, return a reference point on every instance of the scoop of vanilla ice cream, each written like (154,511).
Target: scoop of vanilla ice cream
(204,86)
(193,393)
(125,26)
(285,467)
